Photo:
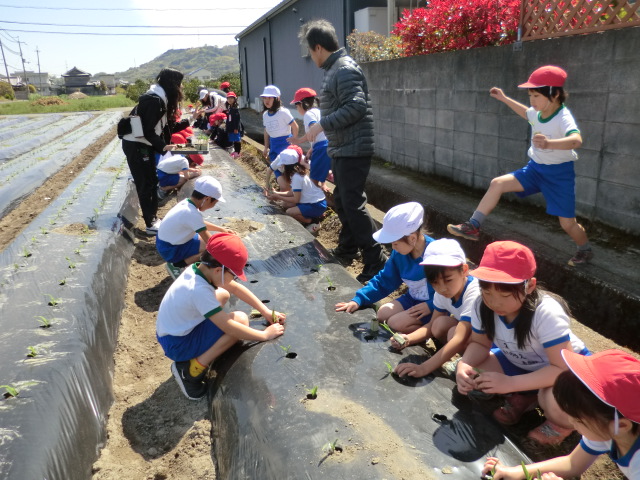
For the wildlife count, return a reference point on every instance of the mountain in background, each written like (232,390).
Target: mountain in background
(218,60)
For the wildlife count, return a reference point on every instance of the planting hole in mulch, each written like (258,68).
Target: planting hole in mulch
(331,288)
(291,355)
(253,281)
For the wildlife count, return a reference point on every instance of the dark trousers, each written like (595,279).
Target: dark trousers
(350,175)
(142,164)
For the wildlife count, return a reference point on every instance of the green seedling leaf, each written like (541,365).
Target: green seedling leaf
(10,391)
(527,475)
(312,393)
(389,367)
(44,322)
(330,447)
(52,300)
(396,336)
(32,352)
(274,319)
(63,281)
(286,349)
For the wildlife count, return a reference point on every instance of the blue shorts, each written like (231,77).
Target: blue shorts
(174,253)
(277,145)
(312,210)
(193,344)
(512,370)
(168,179)
(557,183)
(407,301)
(320,162)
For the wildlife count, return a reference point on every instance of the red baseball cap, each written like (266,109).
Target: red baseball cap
(231,94)
(178,138)
(224,85)
(217,116)
(196,158)
(506,262)
(303,93)
(229,250)
(547,76)
(613,376)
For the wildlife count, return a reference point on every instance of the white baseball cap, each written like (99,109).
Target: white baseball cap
(271,91)
(209,186)
(401,220)
(286,157)
(203,93)
(173,164)
(445,252)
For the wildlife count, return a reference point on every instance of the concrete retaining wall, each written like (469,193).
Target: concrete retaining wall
(433,114)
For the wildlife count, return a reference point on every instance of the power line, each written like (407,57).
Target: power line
(10,38)
(123,26)
(137,9)
(128,34)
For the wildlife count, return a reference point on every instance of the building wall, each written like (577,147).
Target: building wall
(433,114)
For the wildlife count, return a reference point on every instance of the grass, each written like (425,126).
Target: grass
(21,107)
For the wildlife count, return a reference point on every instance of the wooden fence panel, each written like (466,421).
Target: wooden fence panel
(556,18)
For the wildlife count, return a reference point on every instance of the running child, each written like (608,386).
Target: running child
(185,234)
(401,226)
(279,125)
(305,201)
(446,269)
(192,327)
(233,125)
(306,102)
(600,394)
(550,170)
(529,328)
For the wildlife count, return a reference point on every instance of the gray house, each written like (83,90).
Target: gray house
(270,52)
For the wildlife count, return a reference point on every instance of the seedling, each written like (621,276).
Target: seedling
(25,252)
(389,368)
(71,264)
(489,476)
(10,391)
(32,352)
(285,349)
(331,288)
(77,251)
(63,281)
(527,475)
(331,447)
(44,321)
(274,319)
(287,352)
(312,393)
(84,239)
(53,301)
(44,231)
(396,336)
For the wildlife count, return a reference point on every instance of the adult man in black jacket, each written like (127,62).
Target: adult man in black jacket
(347,120)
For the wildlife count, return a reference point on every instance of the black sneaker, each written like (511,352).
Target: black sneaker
(581,257)
(370,271)
(344,256)
(465,230)
(194,388)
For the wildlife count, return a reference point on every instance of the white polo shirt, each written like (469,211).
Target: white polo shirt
(181,223)
(310,192)
(461,310)
(277,124)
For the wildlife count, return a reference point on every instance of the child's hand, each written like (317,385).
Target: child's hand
(228,230)
(500,471)
(348,307)
(409,370)
(265,152)
(550,476)
(540,141)
(465,378)
(272,331)
(168,148)
(396,345)
(419,310)
(493,382)
(497,93)
(277,317)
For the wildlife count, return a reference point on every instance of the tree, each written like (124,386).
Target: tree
(458,25)
(6,91)
(136,89)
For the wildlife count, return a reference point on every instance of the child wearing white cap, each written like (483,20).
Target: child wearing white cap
(184,232)
(400,227)
(446,269)
(279,125)
(173,172)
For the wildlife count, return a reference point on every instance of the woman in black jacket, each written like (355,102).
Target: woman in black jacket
(158,110)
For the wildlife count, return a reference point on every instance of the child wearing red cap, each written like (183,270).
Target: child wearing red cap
(600,394)
(306,102)
(234,125)
(304,200)
(550,170)
(192,327)
(529,328)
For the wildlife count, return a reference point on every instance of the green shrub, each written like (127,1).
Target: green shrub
(136,89)
(372,47)
(6,91)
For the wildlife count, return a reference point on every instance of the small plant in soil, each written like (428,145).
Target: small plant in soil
(84,239)
(53,301)
(331,288)
(25,252)
(331,447)
(10,391)
(44,231)
(63,281)
(32,352)
(44,321)
(389,368)
(71,264)
(527,475)
(77,251)
(287,351)
(489,476)
(396,336)
(312,393)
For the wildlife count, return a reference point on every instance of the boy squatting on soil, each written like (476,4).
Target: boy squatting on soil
(183,234)
(192,328)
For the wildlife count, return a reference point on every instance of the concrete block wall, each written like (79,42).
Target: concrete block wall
(433,114)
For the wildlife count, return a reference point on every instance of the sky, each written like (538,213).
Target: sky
(209,23)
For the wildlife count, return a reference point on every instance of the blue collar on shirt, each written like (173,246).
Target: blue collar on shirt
(625,460)
(458,303)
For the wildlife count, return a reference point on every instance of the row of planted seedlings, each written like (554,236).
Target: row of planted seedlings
(11,127)
(30,170)
(10,122)
(41,135)
(61,293)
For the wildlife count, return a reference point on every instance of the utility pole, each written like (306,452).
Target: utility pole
(6,69)
(39,74)
(24,71)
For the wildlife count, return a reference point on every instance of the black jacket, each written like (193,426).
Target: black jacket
(151,109)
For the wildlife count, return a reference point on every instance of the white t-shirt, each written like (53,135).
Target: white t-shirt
(188,302)
(312,116)
(629,464)
(217,103)
(277,124)
(181,223)
(311,193)
(461,310)
(559,125)
(549,327)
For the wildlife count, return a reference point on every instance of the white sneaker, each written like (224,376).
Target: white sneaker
(313,228)
(152,231)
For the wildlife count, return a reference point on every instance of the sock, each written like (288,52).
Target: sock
(477,219)
(586,246)
(195,367)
